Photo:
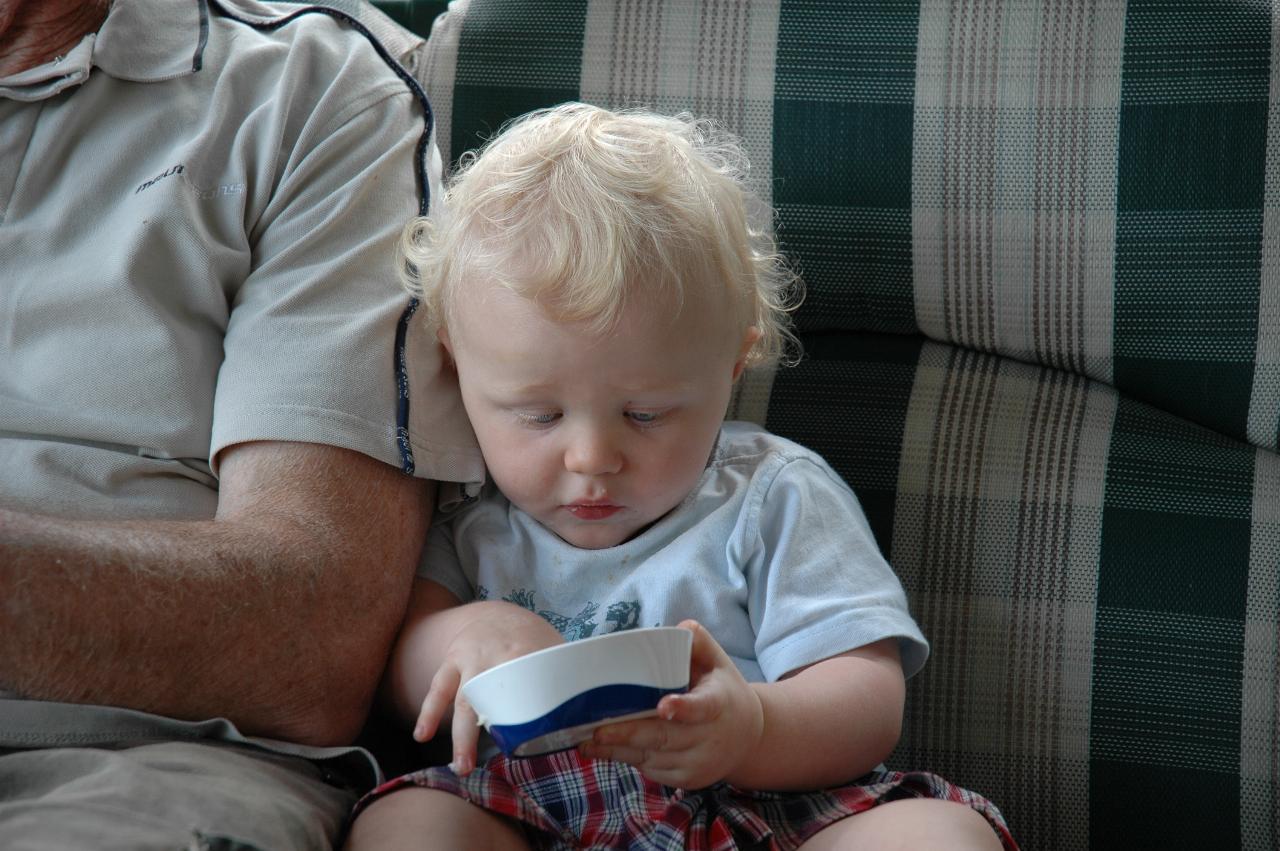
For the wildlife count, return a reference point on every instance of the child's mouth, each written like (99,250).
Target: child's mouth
(592,510)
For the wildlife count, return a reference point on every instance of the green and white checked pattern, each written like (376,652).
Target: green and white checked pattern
(1265,401)
(842,159)
(1103,615)
(1168,646)
(999,513)
(1041,240)
(1191,182)
(1016,128)
(1259,695)
(713,59)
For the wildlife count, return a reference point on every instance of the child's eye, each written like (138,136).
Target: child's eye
(538,418)
(644,417)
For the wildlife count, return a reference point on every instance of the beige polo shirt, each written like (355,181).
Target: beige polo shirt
(197,221)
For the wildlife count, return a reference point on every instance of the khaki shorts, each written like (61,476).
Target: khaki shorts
(173,795)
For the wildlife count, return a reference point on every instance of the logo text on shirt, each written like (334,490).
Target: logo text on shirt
(169,172)
(223,191)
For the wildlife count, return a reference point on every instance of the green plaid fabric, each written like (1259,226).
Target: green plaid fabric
(1042,252)
(1098,578)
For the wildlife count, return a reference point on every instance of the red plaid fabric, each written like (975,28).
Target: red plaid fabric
(566,802)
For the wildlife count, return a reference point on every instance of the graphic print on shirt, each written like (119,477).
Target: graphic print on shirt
(618,616)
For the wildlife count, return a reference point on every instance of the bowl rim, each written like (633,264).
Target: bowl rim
(577,643)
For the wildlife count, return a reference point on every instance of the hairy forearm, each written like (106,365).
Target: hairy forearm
(272,618)
(826,725)
(176,618)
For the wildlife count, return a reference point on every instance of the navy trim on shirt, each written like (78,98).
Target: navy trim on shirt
(197,61)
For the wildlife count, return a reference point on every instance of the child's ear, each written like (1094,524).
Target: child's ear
(749,339)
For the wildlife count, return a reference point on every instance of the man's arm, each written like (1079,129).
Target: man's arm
(278,614)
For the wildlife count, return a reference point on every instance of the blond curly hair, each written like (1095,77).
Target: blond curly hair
(585,210)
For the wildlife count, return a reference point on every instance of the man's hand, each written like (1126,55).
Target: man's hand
(698,738)
(277,614)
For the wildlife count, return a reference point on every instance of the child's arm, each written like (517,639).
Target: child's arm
(829,723)
(442,644)
(825,724)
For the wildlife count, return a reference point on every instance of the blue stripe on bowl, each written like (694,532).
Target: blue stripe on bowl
(587,707)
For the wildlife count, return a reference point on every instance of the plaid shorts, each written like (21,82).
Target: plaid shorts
(564,801)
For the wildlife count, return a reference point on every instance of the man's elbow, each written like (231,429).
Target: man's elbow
(322,692)
(332,725)
(327,711)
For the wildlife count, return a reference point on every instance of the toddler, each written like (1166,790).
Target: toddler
(599,285)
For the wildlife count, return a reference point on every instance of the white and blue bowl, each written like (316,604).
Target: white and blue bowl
(552,699)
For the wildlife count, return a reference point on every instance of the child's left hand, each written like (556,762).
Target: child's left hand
(699,737)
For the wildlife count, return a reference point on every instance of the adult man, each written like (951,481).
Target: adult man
(204,506)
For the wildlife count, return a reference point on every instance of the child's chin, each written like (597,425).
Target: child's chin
(599,538)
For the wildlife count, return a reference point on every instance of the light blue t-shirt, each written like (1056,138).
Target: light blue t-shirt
(771,552)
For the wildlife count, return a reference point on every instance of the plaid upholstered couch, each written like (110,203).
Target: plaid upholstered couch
(1041,240)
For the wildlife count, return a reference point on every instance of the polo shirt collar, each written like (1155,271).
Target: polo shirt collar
(146,41)
(141,41)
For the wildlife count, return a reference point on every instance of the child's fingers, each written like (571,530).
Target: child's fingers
(444,685)
(688,769)
(649,735)
(706,653)
(699,706)
(639,757)
(680,776)
(466,735)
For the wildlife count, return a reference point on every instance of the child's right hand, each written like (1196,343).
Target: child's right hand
(499,632)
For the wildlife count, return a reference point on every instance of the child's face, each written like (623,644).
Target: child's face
(595,437)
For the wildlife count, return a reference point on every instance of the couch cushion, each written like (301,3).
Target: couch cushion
(1098,579)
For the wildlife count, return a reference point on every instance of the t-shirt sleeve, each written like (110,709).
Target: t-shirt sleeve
(819,584)
(440,562)
(311,351)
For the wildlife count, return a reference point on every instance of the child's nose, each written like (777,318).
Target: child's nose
(592,453)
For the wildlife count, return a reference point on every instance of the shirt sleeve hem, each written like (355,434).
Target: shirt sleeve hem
(833,637)
(305,424)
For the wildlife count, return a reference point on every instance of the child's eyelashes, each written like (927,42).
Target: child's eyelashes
(538,419)
(546,419)
(645,418)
